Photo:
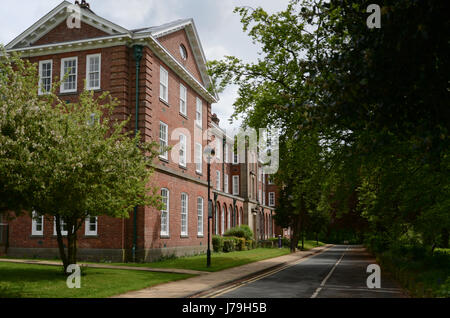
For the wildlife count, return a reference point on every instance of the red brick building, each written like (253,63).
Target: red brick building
(174,108)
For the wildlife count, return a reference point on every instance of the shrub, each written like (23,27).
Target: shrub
(229,244)
(241,244)
(218,243)
(240,231)
(249,244)
(267,244)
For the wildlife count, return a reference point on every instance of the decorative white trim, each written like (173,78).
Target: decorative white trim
(57,16)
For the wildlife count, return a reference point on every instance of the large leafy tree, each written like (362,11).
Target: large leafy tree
(69,161)
(282,90)
(377,98)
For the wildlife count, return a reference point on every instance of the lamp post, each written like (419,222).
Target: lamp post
(209,153)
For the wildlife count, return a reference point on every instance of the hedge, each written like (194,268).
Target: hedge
(240,231)
(230,243)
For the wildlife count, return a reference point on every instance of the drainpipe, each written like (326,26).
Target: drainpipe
(224,142)
(137,53)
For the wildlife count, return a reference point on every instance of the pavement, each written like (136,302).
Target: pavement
(203,284)
(338,272)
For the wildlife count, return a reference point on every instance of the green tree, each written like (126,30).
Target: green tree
(74,161)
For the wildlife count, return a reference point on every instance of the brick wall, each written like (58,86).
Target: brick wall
(61,33)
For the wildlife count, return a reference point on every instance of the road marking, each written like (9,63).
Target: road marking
(233,287)
(316,293)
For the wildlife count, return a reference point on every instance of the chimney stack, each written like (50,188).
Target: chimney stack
(215,119)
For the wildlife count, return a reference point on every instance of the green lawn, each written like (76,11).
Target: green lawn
(219,261)
(40,281)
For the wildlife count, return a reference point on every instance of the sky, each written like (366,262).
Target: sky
(220,29)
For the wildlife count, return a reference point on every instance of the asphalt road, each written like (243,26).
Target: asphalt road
(338,272)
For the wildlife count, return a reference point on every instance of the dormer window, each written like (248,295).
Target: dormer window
(183,52)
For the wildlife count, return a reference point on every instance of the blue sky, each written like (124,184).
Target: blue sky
(219,28)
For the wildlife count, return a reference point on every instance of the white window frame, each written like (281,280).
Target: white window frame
(200,216)
(264,198)
(163,84)
(235,185)
(216,217)
(63,233)
(225,181)
(222,222)
(271,198)
(217,180)
(165,210)
(183,100)
(182,151)
(226,153)
(199,113)
(260,195)
(235,158)
(87,226)
(63,90)
(229,219)
(34,223)
(41,64)
(185,213)
(218,148)
(89,71)
(198,157)
(165,154)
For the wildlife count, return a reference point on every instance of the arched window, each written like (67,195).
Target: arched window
(222,222)
(165,213)
(216,220)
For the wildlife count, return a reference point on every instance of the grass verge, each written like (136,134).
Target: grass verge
(417,271)
(40,281)
(310,244)
(219,261)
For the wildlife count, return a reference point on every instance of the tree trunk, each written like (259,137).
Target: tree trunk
(445,238)
(72,230)
(59,237)
(295,234)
